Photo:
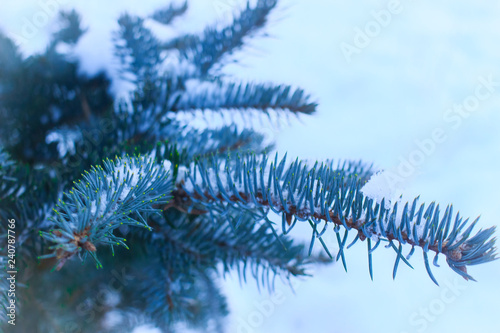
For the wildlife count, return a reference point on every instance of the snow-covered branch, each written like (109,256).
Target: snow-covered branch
(121,193)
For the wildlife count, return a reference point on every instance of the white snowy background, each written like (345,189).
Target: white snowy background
(375,105)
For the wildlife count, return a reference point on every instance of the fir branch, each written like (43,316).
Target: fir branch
(26,195)
(137,48)
(168,14)
(121,193)
(204,143)
(5,163)
(323,194)
(206,240)
(141,131)
(144,118)
(4,287)
(42,94)
(169,297)
(10,60)
(230,96)
(71,30)
(209,50)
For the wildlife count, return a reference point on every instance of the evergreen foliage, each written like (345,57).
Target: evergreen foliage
(162,207)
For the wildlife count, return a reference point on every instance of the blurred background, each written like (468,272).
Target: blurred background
(412,86)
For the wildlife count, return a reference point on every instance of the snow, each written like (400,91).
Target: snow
(126,168)
(65,138)
(167,165)
(131,169)
(182,172)
(101,203)
(112,319)
(377,188)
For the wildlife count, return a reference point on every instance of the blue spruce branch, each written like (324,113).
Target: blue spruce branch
(206,51)
(212,238)
(4,287)
(122,193)
(137,48)
(72,30)
(221,141)
(231,96)
(180,297)
(325,194)
(168,14)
